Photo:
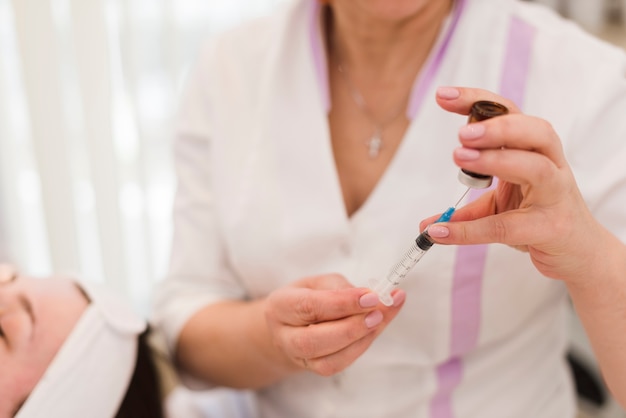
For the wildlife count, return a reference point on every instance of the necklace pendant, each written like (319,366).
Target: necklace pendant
(374,144)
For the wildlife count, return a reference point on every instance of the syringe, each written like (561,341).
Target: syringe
(385,285)
(481,110)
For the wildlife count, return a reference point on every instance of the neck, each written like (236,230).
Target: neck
(383,46)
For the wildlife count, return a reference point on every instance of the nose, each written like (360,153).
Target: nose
(8,273)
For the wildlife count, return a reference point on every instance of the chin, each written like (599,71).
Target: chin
(392,9)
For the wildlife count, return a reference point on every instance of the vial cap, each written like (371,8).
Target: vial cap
(484,109)
(474,180)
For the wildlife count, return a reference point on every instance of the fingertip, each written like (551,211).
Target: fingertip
(448,93)
(398,298)
(438,231)
(368,300)
(373,318)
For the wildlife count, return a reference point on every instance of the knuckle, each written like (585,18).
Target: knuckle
(303,345)
(546,125)
(306,308)
(325,367)
(500,130)
(504,125)
(499,231)
(354,332)
(544,172)
(465,234)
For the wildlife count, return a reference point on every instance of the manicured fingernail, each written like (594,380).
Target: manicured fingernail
(398,298)
(448,93)
(472,131)
(438,231)
(368,300)
(466,154)
(373,318)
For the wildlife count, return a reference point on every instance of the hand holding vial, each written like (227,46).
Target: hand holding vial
(536,206)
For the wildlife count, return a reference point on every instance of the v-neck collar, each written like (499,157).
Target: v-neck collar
(421,87)
(424,79)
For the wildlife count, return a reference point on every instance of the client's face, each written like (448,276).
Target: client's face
(36,316)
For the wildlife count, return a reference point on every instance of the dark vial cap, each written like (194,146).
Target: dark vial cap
(481,110)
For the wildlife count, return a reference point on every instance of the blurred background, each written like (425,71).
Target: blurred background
(88,94)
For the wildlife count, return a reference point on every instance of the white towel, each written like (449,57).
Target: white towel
(90,374)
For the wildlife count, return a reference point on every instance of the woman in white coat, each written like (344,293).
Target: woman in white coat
(311,144)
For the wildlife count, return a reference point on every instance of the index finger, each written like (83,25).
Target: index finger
(304,306)
(460,99)
(515,228)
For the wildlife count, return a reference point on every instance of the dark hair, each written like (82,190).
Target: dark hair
(143,397)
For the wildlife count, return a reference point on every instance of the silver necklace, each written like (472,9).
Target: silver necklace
(374,143)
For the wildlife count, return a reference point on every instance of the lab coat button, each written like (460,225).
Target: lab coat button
(345,248)
(336,379)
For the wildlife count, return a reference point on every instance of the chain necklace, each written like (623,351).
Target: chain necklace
(374,143)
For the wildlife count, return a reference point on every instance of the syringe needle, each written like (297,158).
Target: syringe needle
(462,197)
(445,217)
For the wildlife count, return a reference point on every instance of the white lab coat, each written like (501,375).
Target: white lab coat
(259,205)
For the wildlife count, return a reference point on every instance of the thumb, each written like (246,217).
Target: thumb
(512,228)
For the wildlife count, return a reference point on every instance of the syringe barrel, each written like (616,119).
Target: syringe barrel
(385,285)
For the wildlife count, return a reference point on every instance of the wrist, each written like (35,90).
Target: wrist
(603,263)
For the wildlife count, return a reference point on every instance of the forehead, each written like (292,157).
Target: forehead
(58,299)
(60,283)
(54,291)
(55,305)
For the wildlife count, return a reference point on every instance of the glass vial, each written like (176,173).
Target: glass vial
(480,111)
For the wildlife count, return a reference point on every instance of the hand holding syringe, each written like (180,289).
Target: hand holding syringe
(384,286)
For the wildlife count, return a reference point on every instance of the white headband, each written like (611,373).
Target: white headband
(90,374)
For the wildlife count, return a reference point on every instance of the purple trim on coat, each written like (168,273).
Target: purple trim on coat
(517,61)
(426,78)
(449,376)
(422,83)
(319,52)
(470,260)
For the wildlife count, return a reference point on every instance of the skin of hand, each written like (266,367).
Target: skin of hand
(319,324)
(323,323)
(537,207)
